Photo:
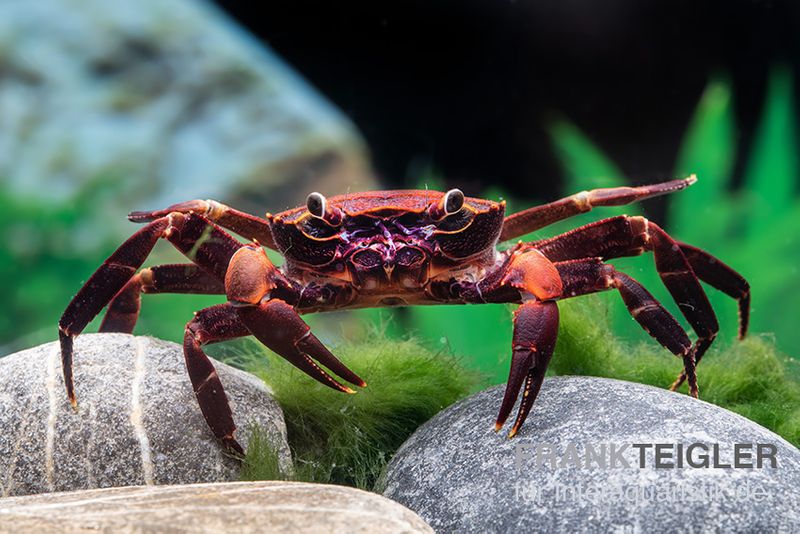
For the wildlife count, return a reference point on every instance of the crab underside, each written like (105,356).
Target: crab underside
(389,248)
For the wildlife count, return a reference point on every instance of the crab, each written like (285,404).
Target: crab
(398,248)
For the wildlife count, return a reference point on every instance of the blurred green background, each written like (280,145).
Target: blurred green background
(49,248)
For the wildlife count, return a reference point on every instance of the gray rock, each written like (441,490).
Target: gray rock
(173,97)
(232,507)
(461,476)
(138,420)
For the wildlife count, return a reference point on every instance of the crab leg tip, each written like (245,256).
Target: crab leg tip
(362,384)
(233,446)
(74,403)
(498,426)
(349,390)
(138,216)
(691,179)
(512,433)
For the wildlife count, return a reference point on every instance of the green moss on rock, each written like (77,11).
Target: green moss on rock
(348,439)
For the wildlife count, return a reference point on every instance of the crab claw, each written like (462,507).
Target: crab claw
(278,326)
(535,330)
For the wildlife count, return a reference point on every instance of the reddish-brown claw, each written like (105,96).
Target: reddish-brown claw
(278,326)
(534,338)
(250,279)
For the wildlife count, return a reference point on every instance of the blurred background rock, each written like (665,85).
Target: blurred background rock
(105,108)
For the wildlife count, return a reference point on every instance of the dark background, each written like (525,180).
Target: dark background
(466,88)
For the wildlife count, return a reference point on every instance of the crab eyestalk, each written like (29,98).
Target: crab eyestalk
(451,203)
(318,207)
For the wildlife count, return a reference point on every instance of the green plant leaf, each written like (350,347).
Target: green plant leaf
(585,166)
(708,150)
(773,167)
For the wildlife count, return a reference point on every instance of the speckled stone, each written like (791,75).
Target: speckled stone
(138,420)
(460,476)
(233,507)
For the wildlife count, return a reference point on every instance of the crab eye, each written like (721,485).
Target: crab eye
(450,204)
(316,205)
(319,208)
(453,201)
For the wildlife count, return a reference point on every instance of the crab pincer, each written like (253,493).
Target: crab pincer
(534,339)
(278,326)
(249,281)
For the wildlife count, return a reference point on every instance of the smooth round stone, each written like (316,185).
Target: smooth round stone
(229,507)
(461,476)
(138,421)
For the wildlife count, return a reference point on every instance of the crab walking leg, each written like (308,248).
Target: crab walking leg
(101,288)
(684,286)
(719,275)
(238,222)
(276,324)
(630,236)
(534,338)
(532,219)
(186,278)
(217,323)
(196,237)
(123,310)
(589,275)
